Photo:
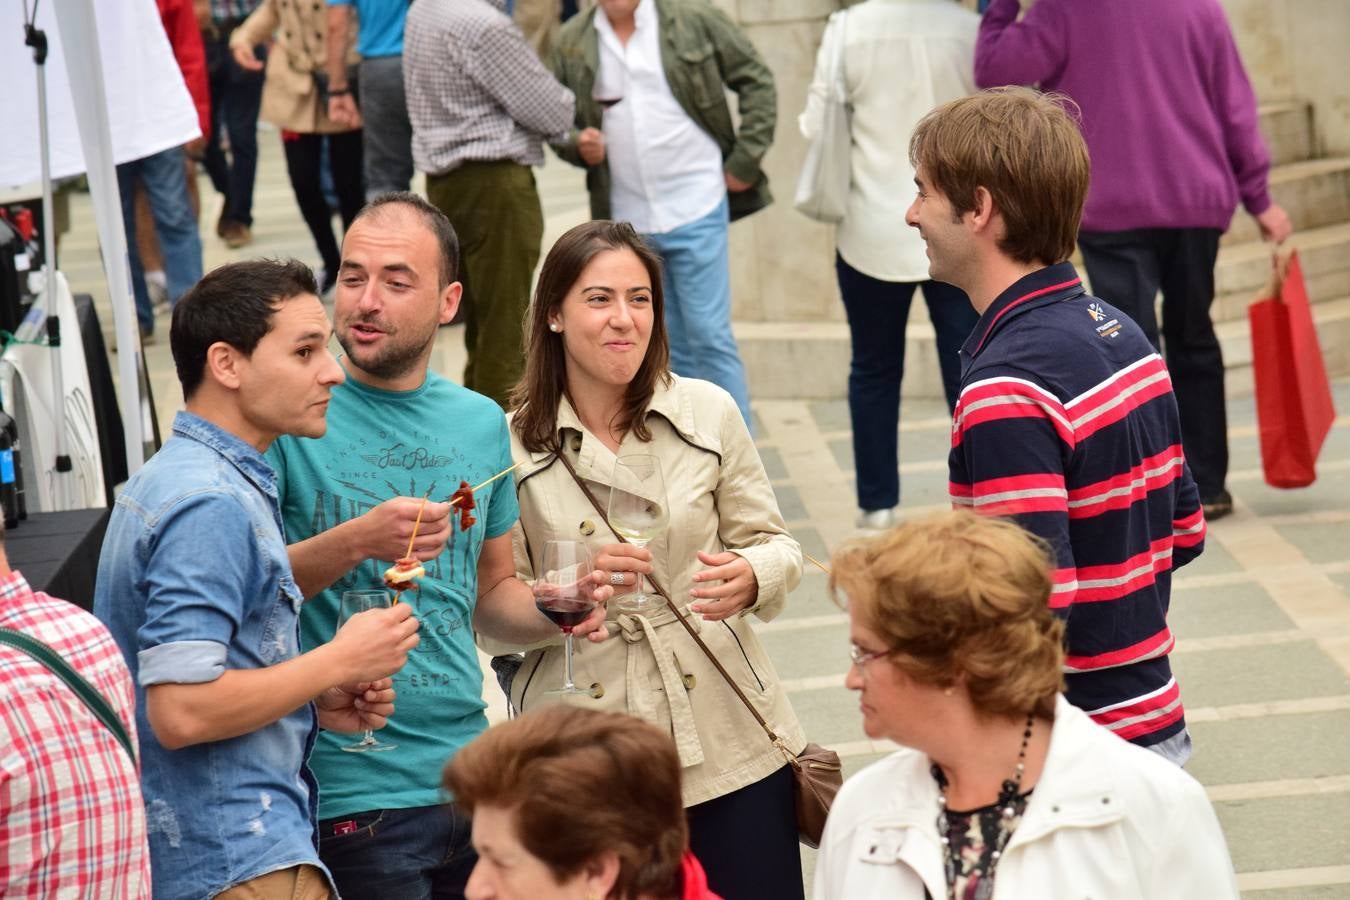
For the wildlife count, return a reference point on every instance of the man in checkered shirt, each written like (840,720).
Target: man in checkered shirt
(481,105)
(72,820)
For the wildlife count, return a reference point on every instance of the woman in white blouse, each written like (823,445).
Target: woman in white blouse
(901,58)
(1001,788)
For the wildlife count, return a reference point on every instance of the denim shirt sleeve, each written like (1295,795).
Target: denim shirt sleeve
(196,578)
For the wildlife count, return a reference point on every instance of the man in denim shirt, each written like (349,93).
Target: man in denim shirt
(195,585)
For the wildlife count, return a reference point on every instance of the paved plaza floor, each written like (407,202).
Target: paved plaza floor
(1262,618)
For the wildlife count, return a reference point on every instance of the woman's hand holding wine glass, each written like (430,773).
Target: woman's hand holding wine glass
(638,512)
(569,591)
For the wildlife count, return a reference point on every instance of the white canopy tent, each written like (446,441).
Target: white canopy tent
(114,94)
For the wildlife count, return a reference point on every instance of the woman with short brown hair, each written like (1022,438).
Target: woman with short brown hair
(571,802)
(1001,785)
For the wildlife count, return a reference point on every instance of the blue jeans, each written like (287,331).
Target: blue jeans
(878,313)
(1175,749)
(697,286)
(236,95)
(165,178)
(387,132)
(399,854)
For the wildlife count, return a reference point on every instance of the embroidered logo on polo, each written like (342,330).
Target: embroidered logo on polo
(1107,329)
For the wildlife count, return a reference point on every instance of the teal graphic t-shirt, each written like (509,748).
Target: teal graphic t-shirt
(381,445)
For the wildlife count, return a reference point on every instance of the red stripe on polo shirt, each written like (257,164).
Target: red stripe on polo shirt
(1158,645)
(1123,490)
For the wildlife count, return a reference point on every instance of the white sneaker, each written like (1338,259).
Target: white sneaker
(876,519)
(157,286)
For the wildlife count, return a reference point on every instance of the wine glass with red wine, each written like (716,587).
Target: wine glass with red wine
(565,593)
(610,82)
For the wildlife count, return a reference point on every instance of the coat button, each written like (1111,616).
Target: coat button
(689,681)
(576,442)
(587,527)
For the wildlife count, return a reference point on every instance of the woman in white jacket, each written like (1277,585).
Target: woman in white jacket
(1004,790)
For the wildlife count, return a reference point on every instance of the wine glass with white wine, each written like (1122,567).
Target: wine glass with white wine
(638,512)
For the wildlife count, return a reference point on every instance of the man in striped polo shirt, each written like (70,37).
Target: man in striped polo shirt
(1066,419)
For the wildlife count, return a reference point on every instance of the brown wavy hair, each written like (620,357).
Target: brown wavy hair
(582,782)
(961,598)
(536,396)
(1022,146)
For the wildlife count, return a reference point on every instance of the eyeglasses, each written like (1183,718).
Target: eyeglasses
(862,657)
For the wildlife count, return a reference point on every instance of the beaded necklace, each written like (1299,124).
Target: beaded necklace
(1010,803)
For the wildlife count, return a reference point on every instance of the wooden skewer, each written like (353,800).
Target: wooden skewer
(477,488)
(411,540)
(416,522)
(818,564)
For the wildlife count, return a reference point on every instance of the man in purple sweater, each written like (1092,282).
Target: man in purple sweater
(1170,121)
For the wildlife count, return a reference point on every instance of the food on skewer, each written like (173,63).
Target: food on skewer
(403,575)
(462,499)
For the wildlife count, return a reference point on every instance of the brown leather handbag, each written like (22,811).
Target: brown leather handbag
(816,771)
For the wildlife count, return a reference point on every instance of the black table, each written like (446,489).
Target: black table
(58,552)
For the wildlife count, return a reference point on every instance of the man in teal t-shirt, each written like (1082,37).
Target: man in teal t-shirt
(398,433)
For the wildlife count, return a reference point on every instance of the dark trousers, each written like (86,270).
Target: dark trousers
(878,313)
(1127,269)
(304,153)
(747,841)
(495,209)
(399,854)
(236,95)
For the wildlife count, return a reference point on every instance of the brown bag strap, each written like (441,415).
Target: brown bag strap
(581,483)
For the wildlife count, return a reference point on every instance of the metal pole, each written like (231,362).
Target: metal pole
(37,39)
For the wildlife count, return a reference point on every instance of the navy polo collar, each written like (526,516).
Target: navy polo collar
(1052,284)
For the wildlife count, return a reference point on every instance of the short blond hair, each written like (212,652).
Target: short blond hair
(1023,147)
(958,597)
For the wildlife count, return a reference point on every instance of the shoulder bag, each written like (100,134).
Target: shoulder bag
(823,186)
(74,680)
(816,771)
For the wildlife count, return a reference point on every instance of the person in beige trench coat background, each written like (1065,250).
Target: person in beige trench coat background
(295,100)
(597,384)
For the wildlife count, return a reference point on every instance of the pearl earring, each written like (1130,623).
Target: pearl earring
(554,327)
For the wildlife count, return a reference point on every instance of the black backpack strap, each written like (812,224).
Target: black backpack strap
(74,680)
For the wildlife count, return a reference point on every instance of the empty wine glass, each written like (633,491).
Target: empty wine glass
(565,593)
(638,512)
(354,602)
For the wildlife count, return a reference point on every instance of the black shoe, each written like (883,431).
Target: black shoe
(1218,506)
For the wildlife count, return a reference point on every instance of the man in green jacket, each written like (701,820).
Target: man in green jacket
(654,131)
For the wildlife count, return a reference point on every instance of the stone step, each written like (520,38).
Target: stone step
(809,360)
(1315,192)
(1243,270)
(1287,128)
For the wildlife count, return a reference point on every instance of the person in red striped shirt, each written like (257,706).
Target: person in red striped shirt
(1066,420)
(72,819)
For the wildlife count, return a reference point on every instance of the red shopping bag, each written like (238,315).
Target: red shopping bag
(1293,397)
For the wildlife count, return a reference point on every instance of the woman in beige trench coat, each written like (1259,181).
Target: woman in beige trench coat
(294,99)
(597,384)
